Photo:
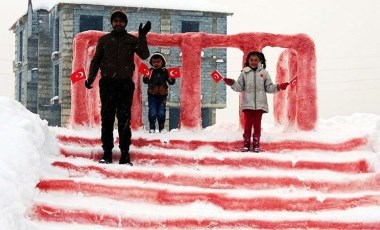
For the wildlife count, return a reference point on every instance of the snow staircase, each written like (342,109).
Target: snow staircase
(189,185)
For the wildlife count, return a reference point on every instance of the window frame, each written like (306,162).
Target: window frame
(90,18)
(190,24)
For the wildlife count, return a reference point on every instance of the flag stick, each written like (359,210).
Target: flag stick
(291,80)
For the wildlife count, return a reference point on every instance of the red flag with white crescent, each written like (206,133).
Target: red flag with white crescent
(216,76)
(174,72)
(144,70)
(293,81)
(78,75)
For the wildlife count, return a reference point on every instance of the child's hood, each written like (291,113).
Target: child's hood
(248,69)
(157,54)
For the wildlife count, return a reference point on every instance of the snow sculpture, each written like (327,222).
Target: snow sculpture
(285,102)
(85,104)
(297,109)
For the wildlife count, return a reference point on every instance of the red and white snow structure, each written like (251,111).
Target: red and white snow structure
(295,108)
(313,175)
(50,178)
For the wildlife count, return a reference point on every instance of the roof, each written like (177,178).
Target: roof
(191,5)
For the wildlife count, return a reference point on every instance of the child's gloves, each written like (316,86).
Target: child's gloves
(229,81)
(282,86)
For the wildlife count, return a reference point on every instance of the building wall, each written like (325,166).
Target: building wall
(68,16)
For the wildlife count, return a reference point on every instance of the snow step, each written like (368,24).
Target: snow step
(228,179)
(118,215)
(224,200)
(249,160)
(348,145)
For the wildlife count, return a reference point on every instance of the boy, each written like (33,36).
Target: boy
(157,91)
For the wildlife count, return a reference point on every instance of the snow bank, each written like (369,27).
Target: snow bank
(26,143)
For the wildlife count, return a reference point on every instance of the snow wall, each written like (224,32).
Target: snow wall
(296,107)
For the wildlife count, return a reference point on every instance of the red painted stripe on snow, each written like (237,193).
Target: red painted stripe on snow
(141,158)
(166,197)
(249,182)
(78,140)
(230,146)
(55,214)
(273,146)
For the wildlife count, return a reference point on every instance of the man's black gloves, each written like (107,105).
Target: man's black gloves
(143,31)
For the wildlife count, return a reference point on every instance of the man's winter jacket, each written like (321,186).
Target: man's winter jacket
(255,85)
(114,55)
(157,83)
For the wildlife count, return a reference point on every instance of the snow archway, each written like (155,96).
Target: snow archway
(298,108)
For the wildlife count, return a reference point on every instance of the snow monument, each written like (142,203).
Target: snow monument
(333,183)
(295,108)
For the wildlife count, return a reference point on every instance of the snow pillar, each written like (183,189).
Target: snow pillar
(190,100)
(307,111)
(285,102)
(136,116)
(85,104)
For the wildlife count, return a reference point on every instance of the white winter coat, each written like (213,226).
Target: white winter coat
(255,85)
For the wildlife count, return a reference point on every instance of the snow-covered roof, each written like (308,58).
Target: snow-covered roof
(192,5)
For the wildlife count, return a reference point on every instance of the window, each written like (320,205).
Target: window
(56,35)
(21,46)
(19,86)
(190,26)
(88,22)
(56,80)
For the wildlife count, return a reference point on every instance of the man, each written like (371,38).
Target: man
(114,56)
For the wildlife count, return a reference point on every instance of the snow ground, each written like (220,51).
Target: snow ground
(29,146)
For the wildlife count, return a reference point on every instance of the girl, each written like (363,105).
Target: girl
(255,82)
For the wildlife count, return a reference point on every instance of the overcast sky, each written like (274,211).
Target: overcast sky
(346,34)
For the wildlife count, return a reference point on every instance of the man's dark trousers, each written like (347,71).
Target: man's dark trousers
(116,97)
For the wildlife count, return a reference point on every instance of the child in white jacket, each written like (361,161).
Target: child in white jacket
(255,82)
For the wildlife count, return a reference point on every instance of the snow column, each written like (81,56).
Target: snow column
(85,104)
(285,102)
(307,112)
(190,100)
(136,110)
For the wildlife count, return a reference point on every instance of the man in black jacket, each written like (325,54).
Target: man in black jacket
(114,56)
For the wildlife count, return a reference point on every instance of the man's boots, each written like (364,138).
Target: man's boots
(247,143)
(107,157)
(125,158)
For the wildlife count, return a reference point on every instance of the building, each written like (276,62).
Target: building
(44,36)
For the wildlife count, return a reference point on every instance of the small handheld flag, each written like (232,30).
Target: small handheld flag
(293,80)
(216,76)
(144,70)
(78,75)
(174,72)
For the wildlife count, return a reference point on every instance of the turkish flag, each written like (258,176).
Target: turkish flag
(216,76)
(78,75)
(144,70)
(293,81)
(174,72)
